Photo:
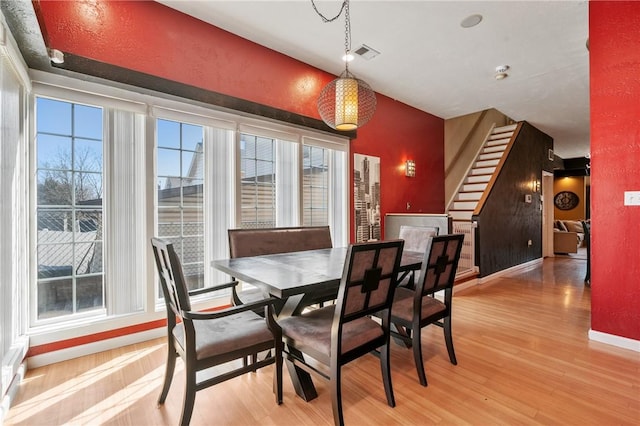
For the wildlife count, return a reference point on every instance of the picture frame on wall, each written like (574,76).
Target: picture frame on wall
(366,183)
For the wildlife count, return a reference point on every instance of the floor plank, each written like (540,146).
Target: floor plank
(523,358)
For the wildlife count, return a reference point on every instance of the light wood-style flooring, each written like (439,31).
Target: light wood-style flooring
(523,358)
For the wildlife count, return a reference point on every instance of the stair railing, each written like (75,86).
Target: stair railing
(467,263)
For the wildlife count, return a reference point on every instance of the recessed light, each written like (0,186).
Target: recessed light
(348,57)
(501,72)
(471,21)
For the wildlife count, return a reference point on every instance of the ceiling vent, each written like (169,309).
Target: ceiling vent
(366,52)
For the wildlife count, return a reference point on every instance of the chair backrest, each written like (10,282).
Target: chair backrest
(438,271)
(586,226)
(175,291)
(417,238)
(368,279)
(263,241)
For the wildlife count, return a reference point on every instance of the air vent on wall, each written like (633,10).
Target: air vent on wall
(366,52)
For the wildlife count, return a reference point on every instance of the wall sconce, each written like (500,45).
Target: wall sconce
(410,168)
(535,185)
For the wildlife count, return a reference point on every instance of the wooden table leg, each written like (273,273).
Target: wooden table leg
(302,382)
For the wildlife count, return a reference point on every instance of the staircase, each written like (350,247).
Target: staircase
(471,192)
(479,175)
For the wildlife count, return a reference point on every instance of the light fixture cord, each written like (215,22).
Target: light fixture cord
(347,37)
(324,18)
(347,27)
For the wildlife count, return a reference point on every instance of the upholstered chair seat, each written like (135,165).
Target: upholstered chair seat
(311,332)
(226,334)
(403,305)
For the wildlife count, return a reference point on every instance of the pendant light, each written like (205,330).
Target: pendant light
(347,102)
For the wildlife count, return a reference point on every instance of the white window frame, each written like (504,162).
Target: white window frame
(153,105)
(15,86)
(112,267)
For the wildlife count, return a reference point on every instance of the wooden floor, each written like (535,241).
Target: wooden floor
(523,358)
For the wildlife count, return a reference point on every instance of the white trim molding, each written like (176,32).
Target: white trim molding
(518,268)
(94,347)
(9,48)
(612,339)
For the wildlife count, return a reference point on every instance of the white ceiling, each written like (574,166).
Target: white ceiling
(430,62)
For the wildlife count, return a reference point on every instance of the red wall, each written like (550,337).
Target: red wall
(154,39)
(151,38)
(614,42)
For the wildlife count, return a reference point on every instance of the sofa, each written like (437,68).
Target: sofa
(568,236)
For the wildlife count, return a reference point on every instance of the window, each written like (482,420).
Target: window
(324,186)
(315,181)
(180,168)
(114,168)
(69,154)
(258,181)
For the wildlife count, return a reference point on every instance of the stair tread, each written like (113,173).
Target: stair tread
(507,128)
(461,215)
(484,163)
(498,142)
(483,171)
(496,135)
(477,179)
(496,148)
(490,155)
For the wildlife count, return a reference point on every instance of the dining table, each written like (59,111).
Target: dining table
(300,279)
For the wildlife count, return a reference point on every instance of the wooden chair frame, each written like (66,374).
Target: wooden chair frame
(438,273)
(183,342)
(381,276)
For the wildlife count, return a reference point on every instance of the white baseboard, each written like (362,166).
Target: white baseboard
(488,278)
(508,271)
(465,285)
(8,398)
(95,347)
(612,339)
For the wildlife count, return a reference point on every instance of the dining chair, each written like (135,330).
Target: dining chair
(413,309)
(337,334)
(416,238)
(205,339)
